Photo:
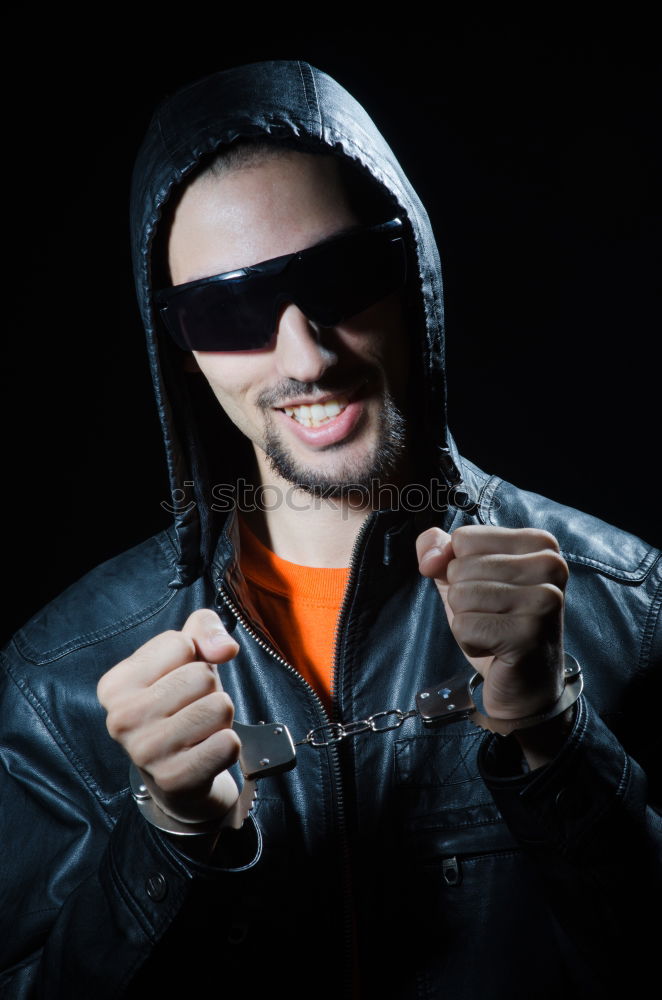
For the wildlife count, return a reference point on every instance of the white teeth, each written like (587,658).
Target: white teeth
(318,413)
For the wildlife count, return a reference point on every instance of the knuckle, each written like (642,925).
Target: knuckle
(167,776)
(214,709)
(453,570)
(460,626)
(551,541)
(114,729)
(542,538)
(462,538)
(170,635)
(204,677)
(556,568)
(229,704)
(550,597)
(179,643)
(464,531)
(458,595)
(124,717)
(230,746)
(192,677)
(110,684)
(116,725)
(171,642)
(221,750)
(140,752)
(429,537)
(104,689)
(222,707)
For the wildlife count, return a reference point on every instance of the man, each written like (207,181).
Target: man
(396,857)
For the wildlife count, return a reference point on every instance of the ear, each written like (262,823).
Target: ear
(190,363)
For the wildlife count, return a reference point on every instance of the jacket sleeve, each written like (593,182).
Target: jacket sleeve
(588,822)
(87,888)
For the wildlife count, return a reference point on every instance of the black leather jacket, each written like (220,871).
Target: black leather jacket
(424,861)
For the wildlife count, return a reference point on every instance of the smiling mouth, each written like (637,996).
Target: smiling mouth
(317,414)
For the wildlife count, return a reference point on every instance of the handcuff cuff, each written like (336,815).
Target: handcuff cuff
(268,748)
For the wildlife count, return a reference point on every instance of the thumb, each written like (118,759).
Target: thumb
(434,549)
(212,640)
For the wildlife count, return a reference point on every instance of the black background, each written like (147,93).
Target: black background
(533,143)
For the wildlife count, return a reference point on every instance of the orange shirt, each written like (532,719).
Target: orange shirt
(300,606)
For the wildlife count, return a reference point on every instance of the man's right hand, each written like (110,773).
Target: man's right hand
(167,708)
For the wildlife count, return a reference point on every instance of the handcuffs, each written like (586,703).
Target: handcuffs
(268,748)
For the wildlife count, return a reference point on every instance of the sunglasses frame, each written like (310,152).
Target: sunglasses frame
(390,232)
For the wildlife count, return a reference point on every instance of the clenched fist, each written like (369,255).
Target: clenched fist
(167,708)
(503,591)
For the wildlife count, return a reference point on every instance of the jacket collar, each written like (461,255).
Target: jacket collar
(386,543)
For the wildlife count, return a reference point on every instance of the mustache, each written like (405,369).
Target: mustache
(290,389)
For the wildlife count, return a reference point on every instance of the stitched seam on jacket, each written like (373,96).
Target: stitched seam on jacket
(166,540)
(420,822)
(486,496)
(375,166)
(63,745)
(489,492)
(127,898)
(28,651)
(308,84)
(636,575)
(649,629)
(585,832)
(581,835)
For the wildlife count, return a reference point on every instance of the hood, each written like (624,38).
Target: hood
(283,99)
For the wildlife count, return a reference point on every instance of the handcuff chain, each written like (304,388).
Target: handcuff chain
(449,701)
(334,732)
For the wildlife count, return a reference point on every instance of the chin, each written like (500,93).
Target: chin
(371,456)
(331,479)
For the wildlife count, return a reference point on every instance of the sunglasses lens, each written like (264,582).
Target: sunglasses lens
(346,277)
(330,283)
(230,316)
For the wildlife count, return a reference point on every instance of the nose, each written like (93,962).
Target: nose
(301,353)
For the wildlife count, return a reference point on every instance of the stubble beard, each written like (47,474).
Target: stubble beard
(354,479)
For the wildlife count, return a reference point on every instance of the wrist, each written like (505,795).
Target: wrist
(234,849)
(541,744)
(177,828)
(199,848)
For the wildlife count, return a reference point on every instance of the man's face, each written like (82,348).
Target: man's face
(321,405)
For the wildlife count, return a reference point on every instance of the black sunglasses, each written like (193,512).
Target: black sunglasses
(330,282)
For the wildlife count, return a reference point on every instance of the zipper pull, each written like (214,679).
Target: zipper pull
(451,871)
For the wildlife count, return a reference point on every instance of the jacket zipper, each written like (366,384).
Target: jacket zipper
(335,758)
(348,910)
(337,777)
(232,607)
(343,611)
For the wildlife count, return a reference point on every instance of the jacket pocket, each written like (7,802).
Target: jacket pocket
(444,806)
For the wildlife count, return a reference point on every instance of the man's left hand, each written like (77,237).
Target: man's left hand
(503,591)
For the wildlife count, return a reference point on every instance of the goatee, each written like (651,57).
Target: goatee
(354,479)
